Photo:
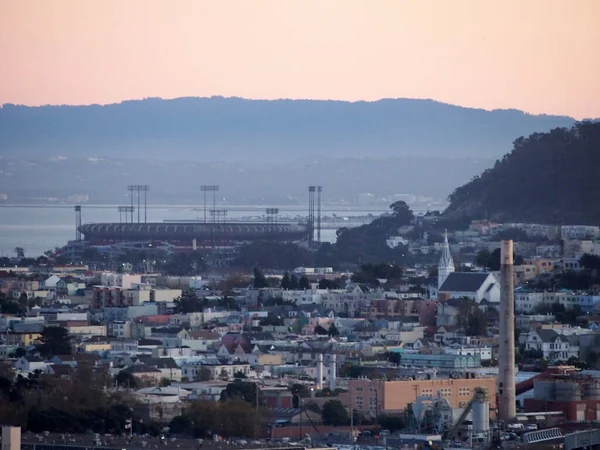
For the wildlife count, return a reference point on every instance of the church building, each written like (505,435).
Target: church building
(478,286)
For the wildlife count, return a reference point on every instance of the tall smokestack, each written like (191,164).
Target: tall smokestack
(332,372)
(320,372)
(506,361)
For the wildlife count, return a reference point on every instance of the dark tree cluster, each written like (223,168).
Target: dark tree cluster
(491,260)
(189,302)
(274,255)
(293,282)
(372,273)
(546,178)
(78,405)
(471,318)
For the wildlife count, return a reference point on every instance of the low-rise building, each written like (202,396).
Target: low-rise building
(373,397)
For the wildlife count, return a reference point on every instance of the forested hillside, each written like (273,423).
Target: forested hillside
(549,177)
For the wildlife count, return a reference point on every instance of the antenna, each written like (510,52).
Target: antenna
(311,216)
(319,192)
(77,222)
(209,188)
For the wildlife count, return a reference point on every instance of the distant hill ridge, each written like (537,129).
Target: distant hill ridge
(219,128)
(547,178)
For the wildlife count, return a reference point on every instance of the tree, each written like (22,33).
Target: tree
(304,284)
(19,352)
(285,281)
(260,280)
(390,422)
(562,157)
(294,284)
(241,390)
(335,413)
(324,283)
(299,390)
(483,259)
(333,331)
(54,341)
(394,357)
(125,379)
(188,302)
(402,212)
(20,252)
(471,318)
(491,260)
(204,374)
(273,321)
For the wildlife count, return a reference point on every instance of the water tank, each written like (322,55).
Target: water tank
(481,416)
(592,390)
(544,390)
(567,392)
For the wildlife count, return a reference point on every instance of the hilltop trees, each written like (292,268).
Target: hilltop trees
(566,165)
(491,260)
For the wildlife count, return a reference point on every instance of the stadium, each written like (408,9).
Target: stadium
(183,236)
(187,236)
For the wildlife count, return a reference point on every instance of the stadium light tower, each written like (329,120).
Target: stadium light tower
(77,222)
(272,217)
(139,188)
(125,209)
(209,188)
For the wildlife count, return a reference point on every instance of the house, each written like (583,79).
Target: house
(552,345)
(50,282)
(75,360)
(31,364)
(214,369)
(474,285)
(22,339)
(144,373)
(167,366)
(62,371)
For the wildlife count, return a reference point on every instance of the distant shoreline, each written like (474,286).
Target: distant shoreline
(199,206)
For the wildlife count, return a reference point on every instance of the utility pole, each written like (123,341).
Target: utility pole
(352,420)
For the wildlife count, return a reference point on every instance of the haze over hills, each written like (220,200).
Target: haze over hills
(547,178)
(258,151)
(235,129)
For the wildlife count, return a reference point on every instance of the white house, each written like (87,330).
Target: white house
(483,352)
(554,346)
(31,364)
(50,282)
(527,302)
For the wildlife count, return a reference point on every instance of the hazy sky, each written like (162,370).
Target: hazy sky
(537,55)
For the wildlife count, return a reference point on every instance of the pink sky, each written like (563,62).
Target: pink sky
(535,55)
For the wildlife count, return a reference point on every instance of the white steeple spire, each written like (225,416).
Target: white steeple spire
(446,264)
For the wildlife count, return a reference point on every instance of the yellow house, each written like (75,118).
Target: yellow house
(94,347)
(23,339)
(542,265)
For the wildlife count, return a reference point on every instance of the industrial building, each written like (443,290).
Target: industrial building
(575,393)
(374,397)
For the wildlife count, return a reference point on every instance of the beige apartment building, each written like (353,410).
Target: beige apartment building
(373,397)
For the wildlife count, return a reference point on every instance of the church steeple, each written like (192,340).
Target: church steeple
(446,264)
